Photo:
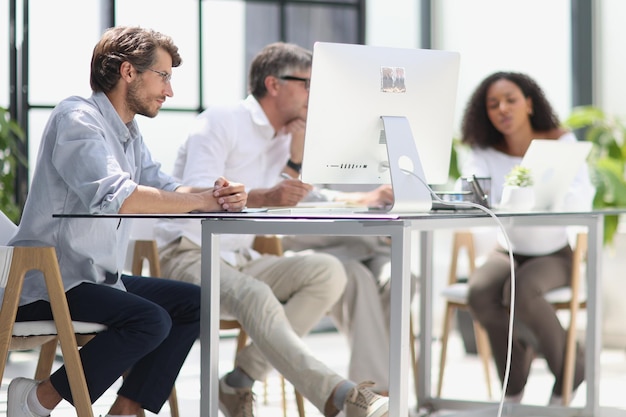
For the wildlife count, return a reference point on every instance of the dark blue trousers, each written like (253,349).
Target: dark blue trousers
(151,329)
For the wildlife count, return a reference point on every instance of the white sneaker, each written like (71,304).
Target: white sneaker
(17,397)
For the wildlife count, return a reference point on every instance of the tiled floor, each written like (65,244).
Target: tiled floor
(464,379)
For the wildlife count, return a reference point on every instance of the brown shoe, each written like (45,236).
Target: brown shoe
(235,402)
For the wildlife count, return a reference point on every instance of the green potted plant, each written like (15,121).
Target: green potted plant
(518,193)
(11,138)
(519,176)
(607,160)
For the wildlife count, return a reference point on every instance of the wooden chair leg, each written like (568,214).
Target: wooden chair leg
(299,403)
(574,306)
(47,354)
(173,403)
(242,339)
(299,398)
(173,400)
(265,393)
(484,351)
(45,260)
(284,395)
(447,322)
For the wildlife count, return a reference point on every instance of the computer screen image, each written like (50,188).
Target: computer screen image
(369,102)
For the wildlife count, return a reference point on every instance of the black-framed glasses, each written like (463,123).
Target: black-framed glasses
(164,75)
(307,81)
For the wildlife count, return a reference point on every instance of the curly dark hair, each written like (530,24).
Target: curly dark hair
(123,43)
(477,129)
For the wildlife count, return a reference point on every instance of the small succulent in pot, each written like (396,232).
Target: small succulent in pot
(519,177)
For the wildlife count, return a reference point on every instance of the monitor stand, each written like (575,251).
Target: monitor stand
(410,194)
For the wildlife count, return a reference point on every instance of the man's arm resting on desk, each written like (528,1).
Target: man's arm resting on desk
(225,196)
(286,193)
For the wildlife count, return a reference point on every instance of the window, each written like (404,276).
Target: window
(217,40)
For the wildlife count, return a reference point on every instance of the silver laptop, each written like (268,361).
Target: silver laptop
(553,165)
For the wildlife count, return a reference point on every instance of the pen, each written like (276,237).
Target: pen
(286,176)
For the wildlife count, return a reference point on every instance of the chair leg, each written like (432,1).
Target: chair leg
(299,403)
(484,351)
(570,359)
(299,399)
(173,400)
(242,340)
(45,260)
(284,395)
(447,321)
(47,353)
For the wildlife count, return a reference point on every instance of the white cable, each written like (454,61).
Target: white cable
(507,370)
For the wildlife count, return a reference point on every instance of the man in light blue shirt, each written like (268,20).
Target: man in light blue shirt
(93,159)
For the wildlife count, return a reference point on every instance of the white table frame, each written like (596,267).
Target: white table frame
(399,229)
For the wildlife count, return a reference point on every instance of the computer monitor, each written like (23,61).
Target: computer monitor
(352,88)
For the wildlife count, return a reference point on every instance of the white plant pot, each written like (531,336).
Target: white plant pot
(516,198)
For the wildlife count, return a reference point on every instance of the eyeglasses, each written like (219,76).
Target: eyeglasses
(164,75)
(307,81)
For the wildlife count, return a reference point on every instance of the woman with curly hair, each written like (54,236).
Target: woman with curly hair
(504,114)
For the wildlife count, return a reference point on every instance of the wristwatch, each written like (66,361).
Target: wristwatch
(294,166)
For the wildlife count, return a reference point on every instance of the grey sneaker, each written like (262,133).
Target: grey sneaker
(235,402)
(363,402)
(17,395)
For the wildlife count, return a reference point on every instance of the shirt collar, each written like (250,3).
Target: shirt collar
(124,132)
(259,118)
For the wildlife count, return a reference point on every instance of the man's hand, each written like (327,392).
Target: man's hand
(286,193)
(297,128)
(224,196)
(379,197)
(230,196)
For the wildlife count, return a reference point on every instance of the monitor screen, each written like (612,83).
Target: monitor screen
(352,86)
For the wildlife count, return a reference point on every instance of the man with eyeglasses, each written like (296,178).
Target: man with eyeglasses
(93,160)
(253,140)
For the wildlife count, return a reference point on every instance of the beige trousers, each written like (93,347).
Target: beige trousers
(276,300)
(363,311)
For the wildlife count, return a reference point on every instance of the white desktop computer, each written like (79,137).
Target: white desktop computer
(381,115)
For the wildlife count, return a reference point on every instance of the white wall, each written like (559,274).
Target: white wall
(392,23)
(495,35)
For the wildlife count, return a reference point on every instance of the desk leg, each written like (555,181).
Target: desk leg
(426,314)
(593,343)
(209,324)
(399,326)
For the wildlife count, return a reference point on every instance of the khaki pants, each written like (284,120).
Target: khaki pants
(363,312)
(276,300)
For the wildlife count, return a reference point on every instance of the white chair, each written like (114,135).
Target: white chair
(571,298)
(15,262)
